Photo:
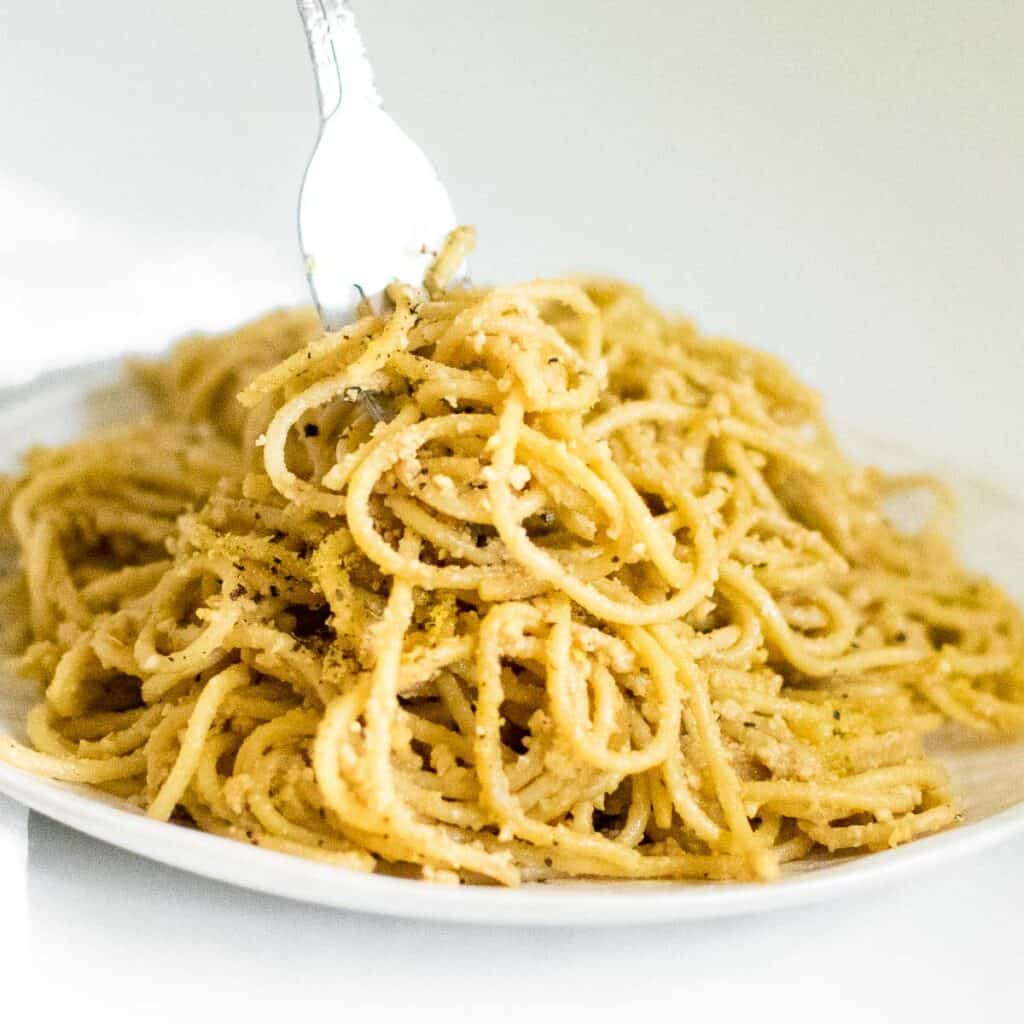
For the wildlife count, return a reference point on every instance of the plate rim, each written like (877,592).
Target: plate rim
(292,877)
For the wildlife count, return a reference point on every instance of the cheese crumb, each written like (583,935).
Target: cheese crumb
(519,476)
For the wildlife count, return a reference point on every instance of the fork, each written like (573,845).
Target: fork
(372,209)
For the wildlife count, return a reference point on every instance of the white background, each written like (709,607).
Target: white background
(840,183)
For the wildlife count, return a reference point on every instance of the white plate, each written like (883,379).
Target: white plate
(989,779)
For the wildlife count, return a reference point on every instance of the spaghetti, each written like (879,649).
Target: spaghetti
(511,584)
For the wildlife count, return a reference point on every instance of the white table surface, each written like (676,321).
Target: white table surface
(838,183)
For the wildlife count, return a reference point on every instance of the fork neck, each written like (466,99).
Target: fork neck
(340,64)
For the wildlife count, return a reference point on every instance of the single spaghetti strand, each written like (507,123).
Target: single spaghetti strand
(214,692)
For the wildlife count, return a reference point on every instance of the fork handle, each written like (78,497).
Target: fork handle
(336,48)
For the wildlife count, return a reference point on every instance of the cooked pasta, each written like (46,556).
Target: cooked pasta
(501,585)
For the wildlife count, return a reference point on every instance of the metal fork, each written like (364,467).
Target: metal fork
(372,209)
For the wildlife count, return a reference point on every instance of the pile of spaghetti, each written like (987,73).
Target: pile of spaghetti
(500,585)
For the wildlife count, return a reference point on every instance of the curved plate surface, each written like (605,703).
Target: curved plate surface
(989,779)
